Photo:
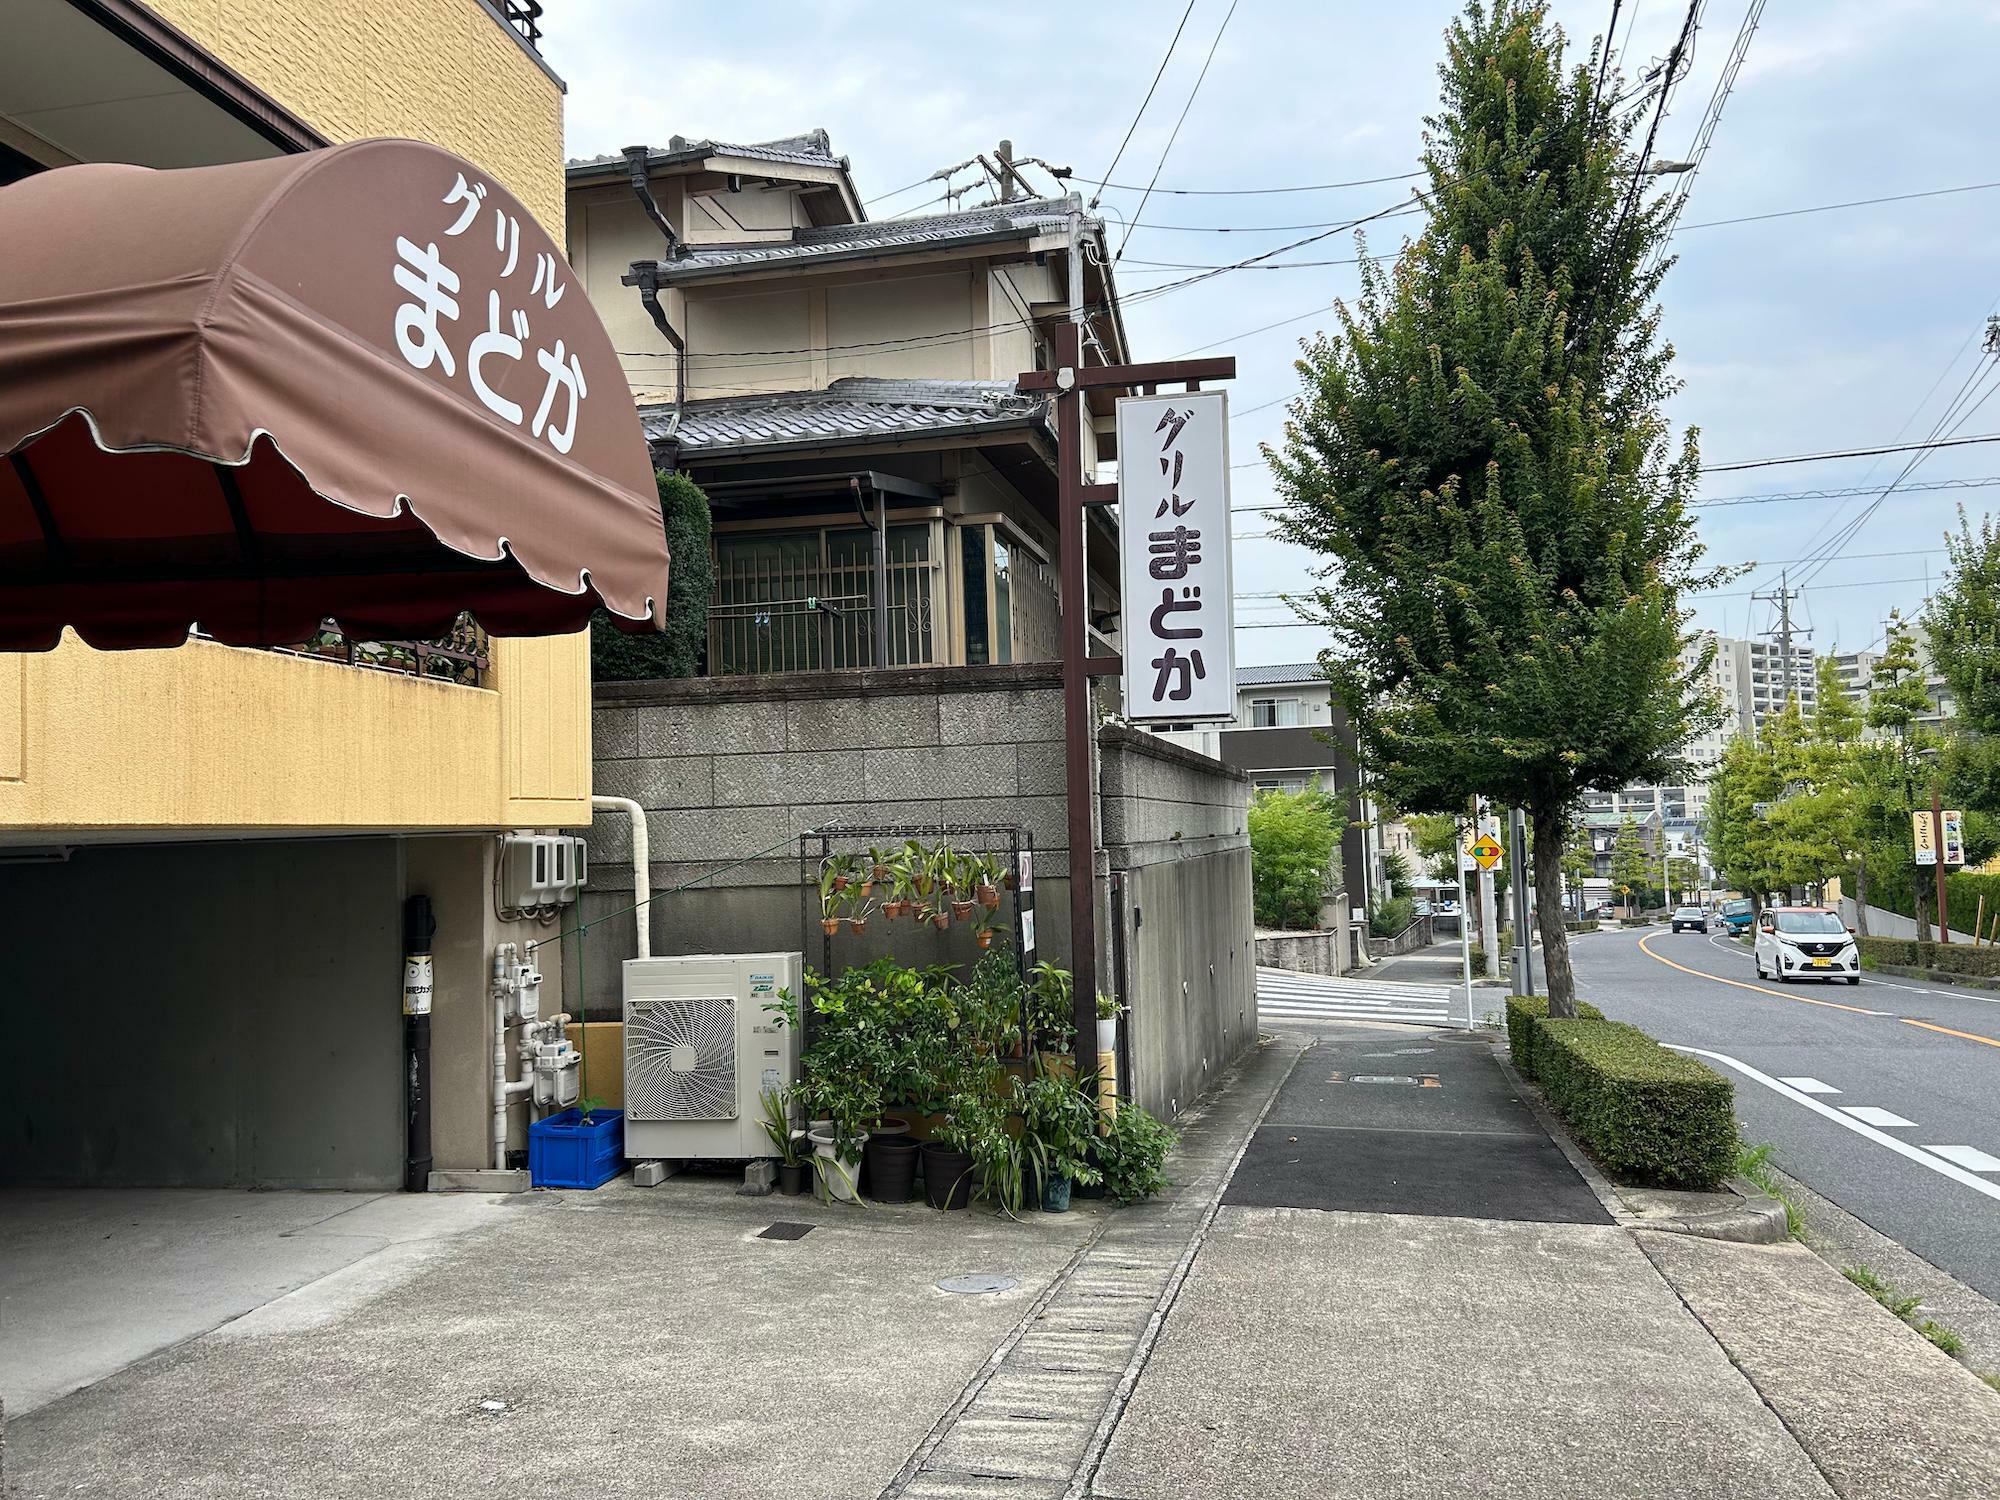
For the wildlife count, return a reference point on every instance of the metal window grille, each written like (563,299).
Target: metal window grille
(804,601)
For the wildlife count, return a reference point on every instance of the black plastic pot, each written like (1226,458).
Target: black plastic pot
(891,1166)
(1095,1189)
(1055,1194)
(794,1177)
(947,1176)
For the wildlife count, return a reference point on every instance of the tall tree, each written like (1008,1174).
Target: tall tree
(1480,455)
(1631,865)
(1836,721)
(1962,623)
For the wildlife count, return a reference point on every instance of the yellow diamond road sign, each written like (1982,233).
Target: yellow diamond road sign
(1486,850)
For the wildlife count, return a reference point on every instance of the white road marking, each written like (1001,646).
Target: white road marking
(1902,1148)
(1969,1157)
(1810,1086)
(1942,994)
(1868,1114)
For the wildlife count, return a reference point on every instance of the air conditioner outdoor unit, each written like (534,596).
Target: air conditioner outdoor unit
(700,1049)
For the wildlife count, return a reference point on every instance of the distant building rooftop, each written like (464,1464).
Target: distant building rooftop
(854,410)
(1302,674)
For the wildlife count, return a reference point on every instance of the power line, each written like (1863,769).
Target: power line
(895,193)
(1306,187)
(1711,117)
(1815,458)
(1157,76)
(1175,135)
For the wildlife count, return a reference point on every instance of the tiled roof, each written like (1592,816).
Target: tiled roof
(812,149)
(1306,672)
(997,221)
(854,410)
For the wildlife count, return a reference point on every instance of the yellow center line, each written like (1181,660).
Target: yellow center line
(1755,989)
(1970,1036)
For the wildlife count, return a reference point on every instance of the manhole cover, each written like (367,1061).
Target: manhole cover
(783,1231)
(977,1283)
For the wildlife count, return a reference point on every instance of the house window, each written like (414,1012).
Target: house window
(989,624)
(1280,784)
(804,601)
(1274,713)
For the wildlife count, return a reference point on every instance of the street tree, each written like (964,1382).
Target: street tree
(1479,454)
(1961,624)
(1631,865)
(1436,836)
(1897,703)
(1836,721)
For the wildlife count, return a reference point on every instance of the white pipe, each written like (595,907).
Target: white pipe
(502,961)
(642,870)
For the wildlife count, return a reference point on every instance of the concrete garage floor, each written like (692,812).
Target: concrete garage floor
(94,1279)
(637,1341)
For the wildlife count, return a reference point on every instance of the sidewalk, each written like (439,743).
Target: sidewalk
(1408,1291)
(1376,1276)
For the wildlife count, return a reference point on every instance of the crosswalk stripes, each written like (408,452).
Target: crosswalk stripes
(1284,995)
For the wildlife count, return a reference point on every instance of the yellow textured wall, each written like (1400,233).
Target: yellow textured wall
(205,738)
(442,71)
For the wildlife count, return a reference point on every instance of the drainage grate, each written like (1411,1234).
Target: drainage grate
(784,1231)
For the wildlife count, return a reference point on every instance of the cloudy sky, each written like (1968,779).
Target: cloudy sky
(1796,334)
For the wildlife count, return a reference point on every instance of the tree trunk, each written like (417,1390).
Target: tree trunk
(1861,893)
(1549,833)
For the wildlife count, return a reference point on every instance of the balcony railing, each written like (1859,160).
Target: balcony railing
(524,16)
(459,657)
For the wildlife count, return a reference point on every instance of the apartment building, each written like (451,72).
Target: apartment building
(206,851)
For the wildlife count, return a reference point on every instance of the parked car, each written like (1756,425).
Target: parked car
(1690,919)
(1607,910)
(1805,942)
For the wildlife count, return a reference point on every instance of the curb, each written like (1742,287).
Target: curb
(1744,1213)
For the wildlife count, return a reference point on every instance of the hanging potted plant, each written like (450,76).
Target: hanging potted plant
(878,866)
(1107,1024)
(920,867)
(857,917)
(937,917)
(839,870)
(987,882)
(982,929)
(943,864)
(902,889)
(784,1137)
(832,902)
(964,872)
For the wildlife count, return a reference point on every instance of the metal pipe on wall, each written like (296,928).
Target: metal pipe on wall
(642,875)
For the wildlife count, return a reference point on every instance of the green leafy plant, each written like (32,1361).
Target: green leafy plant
(1051,1008)
(1754,1162)
(585,1107)
(1392,916)
(1059,1127)
(979,1123)
(1107,1007)
(677,649)
(777,1125)
(1133,1154)
(1646,1114)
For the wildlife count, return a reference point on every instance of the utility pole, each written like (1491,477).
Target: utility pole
(1069,383)
(1783,597)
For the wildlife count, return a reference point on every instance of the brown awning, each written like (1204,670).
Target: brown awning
(358,383)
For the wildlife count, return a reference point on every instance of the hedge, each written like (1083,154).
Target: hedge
(1522,1011)
(1949,958)
(1647,1114)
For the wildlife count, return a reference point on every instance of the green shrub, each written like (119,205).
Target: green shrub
(1950,958)
(1391,917)
(1522,1012)
(1647,1114)
(1133,1156)
(1293,860)
(677,650)
(1886,950)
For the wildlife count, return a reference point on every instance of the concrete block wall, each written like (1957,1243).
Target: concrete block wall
(732,770)
(1176,828)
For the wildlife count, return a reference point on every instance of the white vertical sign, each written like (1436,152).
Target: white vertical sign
(1177,625)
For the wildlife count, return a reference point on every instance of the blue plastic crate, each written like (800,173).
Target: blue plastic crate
(564,1154)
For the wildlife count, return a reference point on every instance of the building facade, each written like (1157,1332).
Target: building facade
(249,822)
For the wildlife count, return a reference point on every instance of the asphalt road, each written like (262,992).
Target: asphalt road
(1883,1097)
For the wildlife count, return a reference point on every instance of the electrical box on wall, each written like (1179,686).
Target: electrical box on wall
(541,869)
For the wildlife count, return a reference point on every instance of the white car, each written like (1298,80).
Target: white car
(1805,942)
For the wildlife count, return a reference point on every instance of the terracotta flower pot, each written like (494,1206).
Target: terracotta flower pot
(923,885)
(941,920)
(989,897)
(962,910)
(841,882)
(867,889)
(1007,878)
(829,925)
(984,937)
(893,909)
(857,924)
(881,872)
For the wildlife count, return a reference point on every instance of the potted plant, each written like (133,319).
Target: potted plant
(920,867)
(878,866)
(948,1155)
(943,865)
(1107,1024)
(857,917)
(936,916)
(777,1123)
(964,877)
(902,889)
(1058,1128)
(986,882)
(832,898)
(982,928)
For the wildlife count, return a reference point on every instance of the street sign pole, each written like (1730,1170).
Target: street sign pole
(1464,931)
(1524,942)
